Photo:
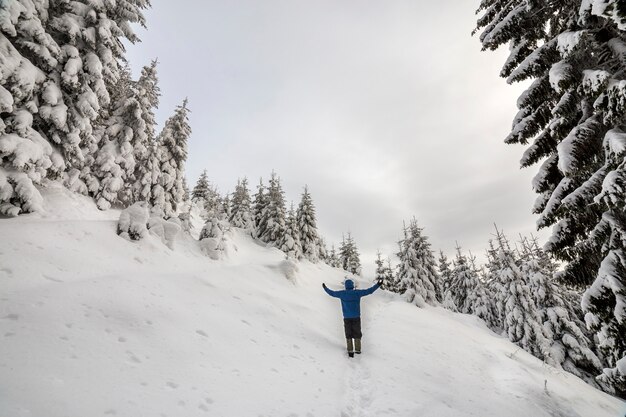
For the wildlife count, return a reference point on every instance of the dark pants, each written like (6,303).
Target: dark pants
(352,328)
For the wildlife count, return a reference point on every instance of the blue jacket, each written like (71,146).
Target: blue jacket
(351,298)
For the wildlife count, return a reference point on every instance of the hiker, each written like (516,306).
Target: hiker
(351,307)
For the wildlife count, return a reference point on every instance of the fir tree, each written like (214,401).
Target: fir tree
(389,281)
(517,312)
(186,192)
(240,211)
(307,226)
(333,259)
(349,256)
(379,274)
(114,164)
(322,249)
(214,234)
(444,271)
(146,166)
(225,211)
(569,345)
(417,274)
(290,240)
(201,190)
(261,201)
(172,153)
(383,273)
(274,213)
(572,117)
(59,63)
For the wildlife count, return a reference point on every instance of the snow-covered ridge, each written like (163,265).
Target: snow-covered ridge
(94,325)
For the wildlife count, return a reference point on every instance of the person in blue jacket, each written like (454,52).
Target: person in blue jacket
(351,308)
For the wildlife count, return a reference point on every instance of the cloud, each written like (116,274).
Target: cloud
(387,110)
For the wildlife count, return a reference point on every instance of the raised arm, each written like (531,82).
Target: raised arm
(329,291)
(370,289)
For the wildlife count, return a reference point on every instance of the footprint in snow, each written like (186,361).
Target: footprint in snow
(172,385)
(202,333)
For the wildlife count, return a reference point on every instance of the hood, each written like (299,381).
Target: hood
(349,284)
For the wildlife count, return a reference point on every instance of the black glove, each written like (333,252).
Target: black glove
(323,285)
(379,281)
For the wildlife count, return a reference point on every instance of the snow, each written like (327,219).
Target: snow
(595,80)
(92,324)
(568,41)
(6,100)
(560,74)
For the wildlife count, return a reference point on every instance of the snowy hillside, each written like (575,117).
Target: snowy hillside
(94,325)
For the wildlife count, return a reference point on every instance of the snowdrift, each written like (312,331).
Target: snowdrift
(92,324)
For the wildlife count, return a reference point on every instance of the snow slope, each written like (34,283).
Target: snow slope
(93,325)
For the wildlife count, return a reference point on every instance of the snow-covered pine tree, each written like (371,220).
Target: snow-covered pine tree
(569,345)
(444,271)
(274,214)
(349,259)
(573,115)
(27,156)
(383,272)
(307,224)
(379,274)
(261,200)
(390,277)
(114,164)
(322,249)
(290,240)
(90,36)
(333,259)
(200,191)
(519,317)
(59,61)
(186,192)
(466,293)
(240,210)
(214,235)
(225,211)
(417,273)
(146,166)
(172,144)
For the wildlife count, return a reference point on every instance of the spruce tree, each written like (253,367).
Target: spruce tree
(349,256)
(379,274)
(172,153)
(322,249)
(240,210)
(518,315)
(569,345)
(60,61)
(290,240)
(417,273)
(261,201)
(274,215)
(333,258)
(389,282)
(572,116)
(147,92)
(383,273)
(307,226)
(114,164)
(444,271)
(225,210)
(201,191)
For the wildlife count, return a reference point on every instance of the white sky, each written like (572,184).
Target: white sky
(386,109)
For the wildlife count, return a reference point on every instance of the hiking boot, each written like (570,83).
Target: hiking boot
(351,354)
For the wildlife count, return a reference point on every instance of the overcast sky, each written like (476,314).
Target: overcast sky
(386,109)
